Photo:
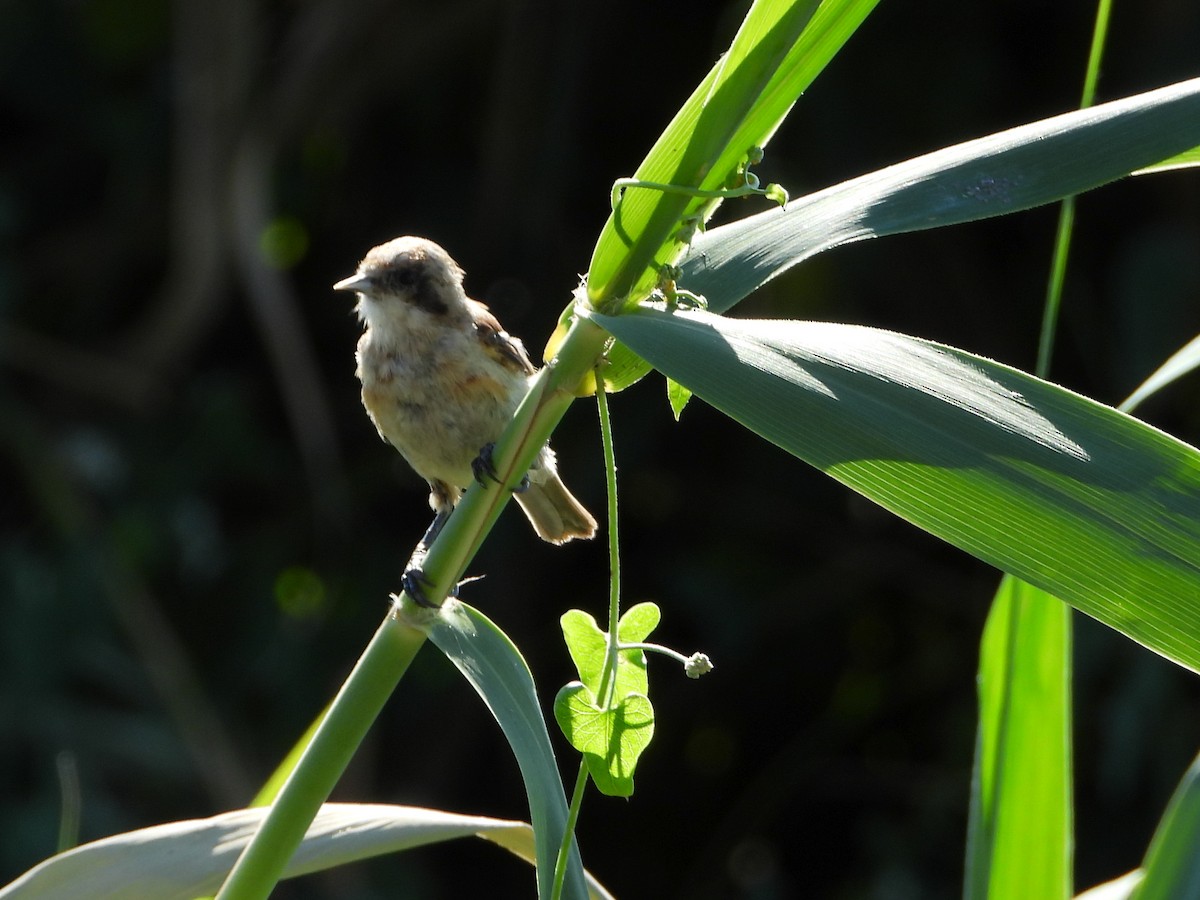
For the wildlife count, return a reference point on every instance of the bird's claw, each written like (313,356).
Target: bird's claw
(414,583)
(483,468)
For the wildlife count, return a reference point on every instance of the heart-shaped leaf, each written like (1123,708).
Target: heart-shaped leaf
(611,740)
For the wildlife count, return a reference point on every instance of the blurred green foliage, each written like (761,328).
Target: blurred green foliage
(199,527)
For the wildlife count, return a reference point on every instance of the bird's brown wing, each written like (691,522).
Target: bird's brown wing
(498,342)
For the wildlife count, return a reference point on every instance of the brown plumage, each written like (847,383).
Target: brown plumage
(441,379)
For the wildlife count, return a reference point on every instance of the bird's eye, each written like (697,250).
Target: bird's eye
(406,277)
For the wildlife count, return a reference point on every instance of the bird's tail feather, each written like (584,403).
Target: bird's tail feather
(555,514)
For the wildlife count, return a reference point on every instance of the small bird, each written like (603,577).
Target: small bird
(441,380)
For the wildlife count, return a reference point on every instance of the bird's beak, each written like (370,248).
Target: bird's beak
(357,282)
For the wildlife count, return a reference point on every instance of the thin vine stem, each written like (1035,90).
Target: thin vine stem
(564,850)
(657,648)
(607,678)
(1066,211)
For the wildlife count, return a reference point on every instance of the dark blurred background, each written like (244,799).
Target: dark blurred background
(199,527)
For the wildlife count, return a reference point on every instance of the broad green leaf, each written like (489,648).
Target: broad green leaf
(1172,865)
(1019,840)
(780,48)
(495,668)
(1072,496)
(1006,172)
(1181,816)
(182,860)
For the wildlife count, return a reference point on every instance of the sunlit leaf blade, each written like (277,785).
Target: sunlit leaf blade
(1019,839)
(182,860)
(497,671)
(1172,865)
(1189,159)
(1037,164)
(1072,496)
(1006,172)
(1118,889)
(780,48)
(1183,361)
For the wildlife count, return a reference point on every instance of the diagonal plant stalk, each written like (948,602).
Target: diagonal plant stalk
(356,706)
(402,633)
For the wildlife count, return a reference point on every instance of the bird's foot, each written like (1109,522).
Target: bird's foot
(484,468)
(415,583)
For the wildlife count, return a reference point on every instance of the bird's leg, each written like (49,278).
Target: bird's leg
(434,529)
(442,500)
(413,581)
